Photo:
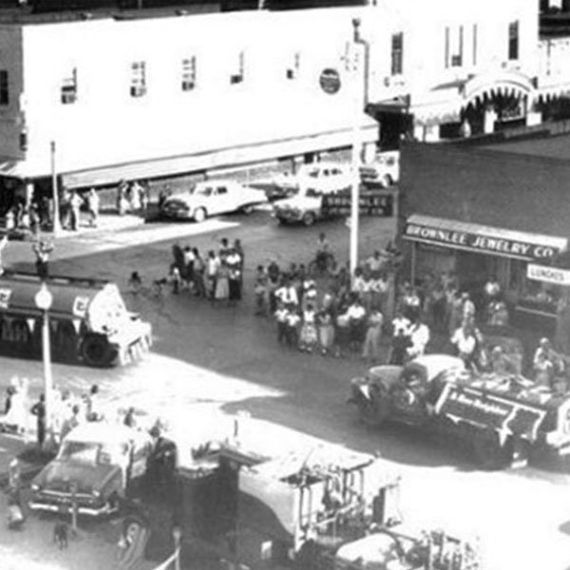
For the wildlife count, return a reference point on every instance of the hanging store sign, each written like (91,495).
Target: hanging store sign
(478,241)
(373,204)
(546,274)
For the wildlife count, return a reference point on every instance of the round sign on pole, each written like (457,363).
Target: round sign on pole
(330,80)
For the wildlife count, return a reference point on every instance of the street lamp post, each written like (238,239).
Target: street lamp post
(44,300)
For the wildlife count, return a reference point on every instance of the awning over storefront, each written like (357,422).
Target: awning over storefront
(482,239)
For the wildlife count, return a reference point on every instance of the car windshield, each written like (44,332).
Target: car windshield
(201,190)
(91,453)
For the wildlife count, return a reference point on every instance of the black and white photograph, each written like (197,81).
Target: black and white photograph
(284,285)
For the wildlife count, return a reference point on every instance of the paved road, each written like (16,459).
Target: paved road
(209,358)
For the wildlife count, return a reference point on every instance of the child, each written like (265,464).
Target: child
(175,279)
(260,290)
(308,338)
(293,322)
(281,317)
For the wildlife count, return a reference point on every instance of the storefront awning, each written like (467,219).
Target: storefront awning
(482,239)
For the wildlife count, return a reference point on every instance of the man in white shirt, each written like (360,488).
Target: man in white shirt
(419,336)
(465,342)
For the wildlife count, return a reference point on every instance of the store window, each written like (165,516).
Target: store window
(514,40)
(397,67)
(189,73)
(138,79)
(453,46)
(4,88)
(239,74)
(293,69)
(69,89)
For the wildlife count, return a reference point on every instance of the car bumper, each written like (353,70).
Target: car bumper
(65,505)
(288,215)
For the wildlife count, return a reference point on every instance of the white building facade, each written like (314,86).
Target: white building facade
(103,99)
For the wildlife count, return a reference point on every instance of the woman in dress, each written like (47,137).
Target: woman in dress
(222,292)
(325,324)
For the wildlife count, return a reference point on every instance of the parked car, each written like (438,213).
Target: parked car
(210,198)
(321,176)
(383,171)
(95,465)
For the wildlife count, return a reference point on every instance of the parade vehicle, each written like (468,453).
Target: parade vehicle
(96,464)
(210,198)
(88,320)
(504,418)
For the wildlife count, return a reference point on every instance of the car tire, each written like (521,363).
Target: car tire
(309,219)
(96,351)
(200,215)
(489,452)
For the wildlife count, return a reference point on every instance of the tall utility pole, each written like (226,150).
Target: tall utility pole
(355,68)
(55,190)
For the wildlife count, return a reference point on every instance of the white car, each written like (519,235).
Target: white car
(324,177)
(383,171)
(210,198)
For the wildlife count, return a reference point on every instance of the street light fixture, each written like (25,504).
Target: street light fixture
(44,300)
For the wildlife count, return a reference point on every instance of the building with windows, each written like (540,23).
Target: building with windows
(142,94)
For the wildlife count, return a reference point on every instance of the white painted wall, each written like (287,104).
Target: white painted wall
(107,126)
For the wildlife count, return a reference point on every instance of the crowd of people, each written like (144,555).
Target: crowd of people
(22,415)
(318,308)
(217,276)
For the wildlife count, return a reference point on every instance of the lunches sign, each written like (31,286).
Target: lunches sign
(477,241)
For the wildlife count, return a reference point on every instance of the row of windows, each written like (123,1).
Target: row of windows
(454,44)
(188,77)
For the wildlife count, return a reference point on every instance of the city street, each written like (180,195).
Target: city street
(211,359)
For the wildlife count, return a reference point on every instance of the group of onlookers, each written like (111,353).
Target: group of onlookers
(67,411)
(318,307)
(218,276)
(132,196)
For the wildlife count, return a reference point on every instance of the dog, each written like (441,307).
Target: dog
(60,535)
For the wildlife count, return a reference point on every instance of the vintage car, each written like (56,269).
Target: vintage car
(383,171)
(210,198)
(322,176)
(504,418)
(96,463)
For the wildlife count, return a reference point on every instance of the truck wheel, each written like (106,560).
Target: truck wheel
(373,413)
(489,452)
(199,215)
(309,219)
(96,351)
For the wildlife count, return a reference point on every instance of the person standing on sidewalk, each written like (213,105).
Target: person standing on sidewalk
(93,207)
(75,204)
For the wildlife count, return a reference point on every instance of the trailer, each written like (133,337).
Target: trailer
(88,320)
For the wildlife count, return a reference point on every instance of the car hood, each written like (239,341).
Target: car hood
(59,475)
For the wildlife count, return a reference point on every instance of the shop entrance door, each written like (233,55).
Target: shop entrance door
(473,270)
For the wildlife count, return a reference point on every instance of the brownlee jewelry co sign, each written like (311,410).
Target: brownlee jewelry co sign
(478,241)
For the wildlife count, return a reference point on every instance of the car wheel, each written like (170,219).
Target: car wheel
(309,219)
(96,351)
(200,215)
(247,210)
(489,452)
